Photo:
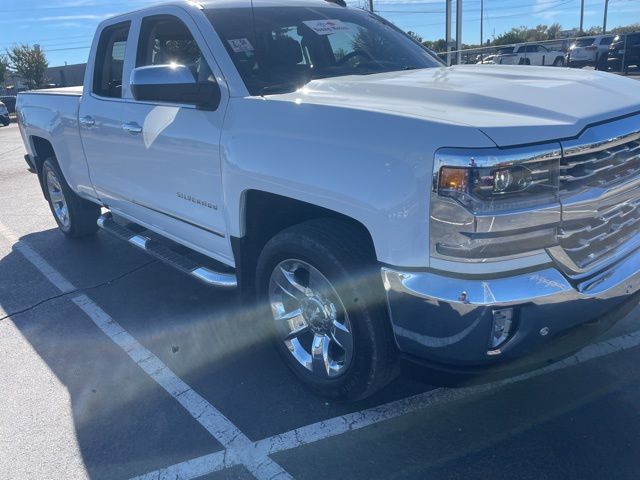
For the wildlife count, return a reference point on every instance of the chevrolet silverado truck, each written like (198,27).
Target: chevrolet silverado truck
(378,205)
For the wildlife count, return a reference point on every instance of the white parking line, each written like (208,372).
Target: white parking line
(239,449)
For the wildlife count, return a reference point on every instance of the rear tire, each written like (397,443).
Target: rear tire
(318,272)
(75,216)
(6,122)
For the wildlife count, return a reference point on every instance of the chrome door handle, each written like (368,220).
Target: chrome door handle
(132,127)
(87,121)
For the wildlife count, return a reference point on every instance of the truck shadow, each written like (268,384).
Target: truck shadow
(124,423)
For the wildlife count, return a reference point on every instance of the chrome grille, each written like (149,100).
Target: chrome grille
(600,196)
(589,241)
(603,168)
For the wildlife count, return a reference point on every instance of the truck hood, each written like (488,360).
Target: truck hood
(512,105)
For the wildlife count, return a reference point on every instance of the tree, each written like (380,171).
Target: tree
(553,30)
(437,46)
(634,27)
(415,36)
(29,63)
(4,68)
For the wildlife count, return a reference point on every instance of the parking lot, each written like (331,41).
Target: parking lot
(113,366)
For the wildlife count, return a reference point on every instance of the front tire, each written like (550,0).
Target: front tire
(75,216)
(326,308)
(559,62)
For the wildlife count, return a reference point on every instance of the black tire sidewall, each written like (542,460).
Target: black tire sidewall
(51,165)
(365,320)
(82,213)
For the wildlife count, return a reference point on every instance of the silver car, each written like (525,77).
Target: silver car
(586,51)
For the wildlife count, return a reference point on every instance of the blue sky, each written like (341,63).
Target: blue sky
(65,28)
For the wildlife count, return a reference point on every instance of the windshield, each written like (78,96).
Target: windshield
(505,50)
(291,46)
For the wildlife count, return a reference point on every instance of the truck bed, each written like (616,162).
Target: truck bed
(71,91)
(49,117)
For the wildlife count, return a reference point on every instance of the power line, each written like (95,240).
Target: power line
(497,17)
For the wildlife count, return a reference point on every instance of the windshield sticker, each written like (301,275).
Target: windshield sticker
(326,27)
(240,45)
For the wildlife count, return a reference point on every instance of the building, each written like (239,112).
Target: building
(12,84)
(66,75)
(62,76)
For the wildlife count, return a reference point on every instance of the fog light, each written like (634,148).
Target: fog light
(501,328)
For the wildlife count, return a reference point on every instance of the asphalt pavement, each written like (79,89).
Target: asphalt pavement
(113,366)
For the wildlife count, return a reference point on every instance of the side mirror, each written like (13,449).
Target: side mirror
(173,84)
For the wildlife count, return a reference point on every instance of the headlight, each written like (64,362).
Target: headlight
(494,202)
(498,180)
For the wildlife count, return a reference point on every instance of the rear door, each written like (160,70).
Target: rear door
(537,54)
(100,115)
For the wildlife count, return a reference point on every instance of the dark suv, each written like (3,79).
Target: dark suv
(10,102)
(623,53)
(4,115)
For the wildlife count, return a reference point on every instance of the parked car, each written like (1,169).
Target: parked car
(588,50)
(10,102)
(488,59)
(373,202)
(623,53)
(4,114)
(529,54)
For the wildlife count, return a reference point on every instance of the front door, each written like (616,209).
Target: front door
(172,151)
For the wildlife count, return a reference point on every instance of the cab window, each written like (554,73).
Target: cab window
(107,76)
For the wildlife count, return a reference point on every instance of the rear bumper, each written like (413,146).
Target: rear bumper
(579,62)
(448,321)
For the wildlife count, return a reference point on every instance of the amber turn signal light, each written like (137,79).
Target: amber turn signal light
(453,178)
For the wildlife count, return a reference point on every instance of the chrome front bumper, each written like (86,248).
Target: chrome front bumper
(448,320)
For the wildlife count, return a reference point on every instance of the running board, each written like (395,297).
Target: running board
(166,254)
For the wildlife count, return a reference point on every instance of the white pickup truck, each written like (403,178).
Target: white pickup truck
(530,54)
(378,204)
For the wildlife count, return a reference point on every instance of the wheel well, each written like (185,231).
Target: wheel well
(43,150)
(266,214)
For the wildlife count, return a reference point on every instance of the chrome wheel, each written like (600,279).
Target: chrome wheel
(58,202)
(311,318)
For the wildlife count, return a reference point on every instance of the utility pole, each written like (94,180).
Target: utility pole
(459,32)
(481,28)
(448,31)
(582,16)
(606,11)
